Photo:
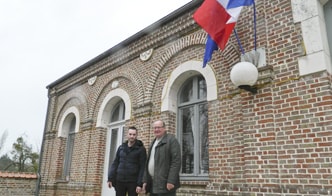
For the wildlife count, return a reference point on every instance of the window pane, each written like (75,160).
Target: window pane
(122,114)
(201,88)
(204,142)
(113,145)
(69,149)
(187,92)
(187,140)
(118,112)
(70,141)
(193,127)
(115,113)
(72,125)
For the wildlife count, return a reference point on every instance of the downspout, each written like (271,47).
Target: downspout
(42,146)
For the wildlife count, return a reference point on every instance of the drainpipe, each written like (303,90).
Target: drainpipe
(42,146)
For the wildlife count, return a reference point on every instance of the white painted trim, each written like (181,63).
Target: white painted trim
(63,130)
(182,73)
(112,98)
(311,16)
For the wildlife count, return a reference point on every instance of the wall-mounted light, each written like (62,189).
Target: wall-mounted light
(244,75)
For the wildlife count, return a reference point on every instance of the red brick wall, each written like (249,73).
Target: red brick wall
(17,183)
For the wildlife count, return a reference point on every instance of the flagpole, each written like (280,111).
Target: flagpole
(255,36)
(238,41)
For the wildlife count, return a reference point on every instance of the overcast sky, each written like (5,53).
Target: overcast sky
(42,40)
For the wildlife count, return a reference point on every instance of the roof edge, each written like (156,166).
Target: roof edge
(126,42)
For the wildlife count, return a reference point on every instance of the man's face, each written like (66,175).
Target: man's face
(132,135)
(159,129)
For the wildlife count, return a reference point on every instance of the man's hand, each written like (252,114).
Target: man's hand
(169,186)
(143,188)
(138,189)
(109,184)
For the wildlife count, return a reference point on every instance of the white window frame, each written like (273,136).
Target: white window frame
(194,104)
(68,130)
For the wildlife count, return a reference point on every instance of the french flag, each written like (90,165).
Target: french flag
(218,18)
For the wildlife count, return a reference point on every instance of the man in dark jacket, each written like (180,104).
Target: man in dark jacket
(127,169)
(161,176)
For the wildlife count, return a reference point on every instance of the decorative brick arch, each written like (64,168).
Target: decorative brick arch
(182,73)
(128,74)
(194,39)
(111,99)
(64,123)
(73,105)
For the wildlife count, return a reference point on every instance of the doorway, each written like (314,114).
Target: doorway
(114,140)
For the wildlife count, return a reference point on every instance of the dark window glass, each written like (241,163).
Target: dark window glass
(193,127)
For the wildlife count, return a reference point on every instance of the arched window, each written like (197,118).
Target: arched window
(71,122)
(193,127)
(113,113)
(69,125)
(118,112)
(116,128)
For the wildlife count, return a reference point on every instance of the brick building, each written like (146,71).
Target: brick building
(275,142)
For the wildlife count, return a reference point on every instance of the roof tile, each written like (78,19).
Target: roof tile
(17,175)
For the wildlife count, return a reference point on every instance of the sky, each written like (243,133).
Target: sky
(42,40)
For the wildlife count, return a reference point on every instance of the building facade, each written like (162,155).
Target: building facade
(233,142)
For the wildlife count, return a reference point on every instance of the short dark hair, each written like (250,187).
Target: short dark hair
(132,127)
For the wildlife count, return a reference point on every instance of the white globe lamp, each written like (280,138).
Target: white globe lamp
(244,75)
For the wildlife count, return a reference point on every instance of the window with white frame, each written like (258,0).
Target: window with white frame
(117,128)
(118,112)
(193,128)
(71,122)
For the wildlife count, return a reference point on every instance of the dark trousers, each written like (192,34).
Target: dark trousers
(122,188)
(173,193)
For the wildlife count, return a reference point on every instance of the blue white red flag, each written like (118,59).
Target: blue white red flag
(218,18)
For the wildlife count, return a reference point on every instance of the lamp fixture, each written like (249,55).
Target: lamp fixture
(244,75)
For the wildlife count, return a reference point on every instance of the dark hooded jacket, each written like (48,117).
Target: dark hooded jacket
(129,164)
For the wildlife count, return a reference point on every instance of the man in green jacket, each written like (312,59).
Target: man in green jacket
(161,176)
